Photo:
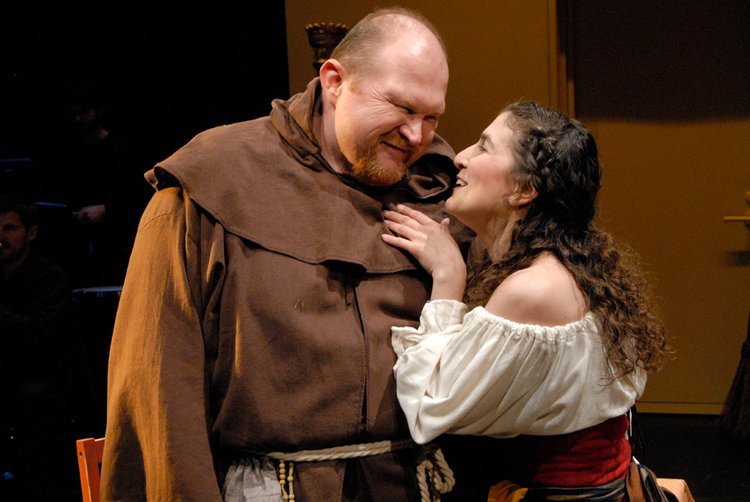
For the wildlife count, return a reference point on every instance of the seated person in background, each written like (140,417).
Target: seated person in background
(93,172)
(34,296)
(550,340)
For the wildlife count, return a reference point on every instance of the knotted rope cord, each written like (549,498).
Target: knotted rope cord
(434,476)
(285,478)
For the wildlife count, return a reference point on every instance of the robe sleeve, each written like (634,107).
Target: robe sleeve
(481,374)
(157,436)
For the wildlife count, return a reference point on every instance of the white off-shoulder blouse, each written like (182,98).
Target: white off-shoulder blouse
(478,373)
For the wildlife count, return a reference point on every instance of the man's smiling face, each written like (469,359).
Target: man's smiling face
(386,118)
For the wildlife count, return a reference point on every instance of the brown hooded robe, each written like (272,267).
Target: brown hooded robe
(256,317)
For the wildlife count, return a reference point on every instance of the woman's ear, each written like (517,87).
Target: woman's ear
(332,75)
(523,196)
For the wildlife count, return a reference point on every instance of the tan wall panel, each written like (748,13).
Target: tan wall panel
(666,97)
(666,188)
(498,53)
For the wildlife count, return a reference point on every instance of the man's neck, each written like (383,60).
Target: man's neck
(8,267)
(325,133)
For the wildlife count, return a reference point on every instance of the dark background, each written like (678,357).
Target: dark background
(159,73)
(164,73)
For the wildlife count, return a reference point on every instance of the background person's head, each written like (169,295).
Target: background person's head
(18,228)
(88,114)
(383,92)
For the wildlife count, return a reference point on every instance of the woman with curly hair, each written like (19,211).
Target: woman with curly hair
(550,339)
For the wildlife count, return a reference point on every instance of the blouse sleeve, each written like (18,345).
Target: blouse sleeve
(438,316)
(477,373)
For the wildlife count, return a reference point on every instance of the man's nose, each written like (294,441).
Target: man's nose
(412,131)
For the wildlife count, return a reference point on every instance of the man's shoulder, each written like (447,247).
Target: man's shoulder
(37,267)
(441,147)
(223,151)
(243,134)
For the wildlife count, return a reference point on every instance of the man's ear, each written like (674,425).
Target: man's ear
(332,75)
(32,233)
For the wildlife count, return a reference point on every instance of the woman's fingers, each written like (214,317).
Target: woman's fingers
(403,229)
(411,218)
(398,242)
(414,231)
(412,214)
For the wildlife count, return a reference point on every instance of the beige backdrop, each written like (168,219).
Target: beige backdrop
(664,89)
(497,50)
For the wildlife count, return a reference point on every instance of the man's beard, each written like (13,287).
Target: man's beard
(368,170)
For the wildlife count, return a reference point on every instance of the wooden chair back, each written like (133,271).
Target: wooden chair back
(90,452)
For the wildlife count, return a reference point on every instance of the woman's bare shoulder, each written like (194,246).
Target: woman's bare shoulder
(544,294)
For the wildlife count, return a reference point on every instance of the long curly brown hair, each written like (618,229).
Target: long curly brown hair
(558,157)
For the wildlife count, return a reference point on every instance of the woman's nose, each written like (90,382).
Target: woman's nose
(462,159)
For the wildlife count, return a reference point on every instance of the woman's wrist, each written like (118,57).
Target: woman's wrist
(449,284)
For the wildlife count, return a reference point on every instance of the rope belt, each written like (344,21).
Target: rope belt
(434,476)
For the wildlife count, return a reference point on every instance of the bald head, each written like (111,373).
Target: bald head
(385,31)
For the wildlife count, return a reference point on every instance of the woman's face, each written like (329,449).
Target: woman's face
(485,185)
